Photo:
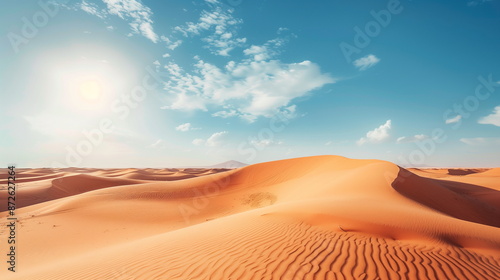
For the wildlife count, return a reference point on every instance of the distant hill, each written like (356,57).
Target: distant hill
(229,164)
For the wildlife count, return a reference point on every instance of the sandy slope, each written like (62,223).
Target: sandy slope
(320,217)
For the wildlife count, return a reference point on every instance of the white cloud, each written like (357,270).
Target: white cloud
(172,44)
(249,89)
(225,114)
(222,26)
(455,119)
(214,140)
(92,9)
(282,29)
(217,19)
(175,45)
(259,52)
(266,51)
(411,139)
(493,118)
(366,62)
(481,141)
(135,12)
(184,127)
(254,87)
(166,55)
(378,135)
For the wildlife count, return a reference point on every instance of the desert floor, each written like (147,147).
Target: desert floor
(323,217)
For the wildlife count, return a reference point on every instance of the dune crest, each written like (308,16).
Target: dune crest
(322,217)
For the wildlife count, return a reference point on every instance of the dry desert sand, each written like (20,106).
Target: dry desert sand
(322,217)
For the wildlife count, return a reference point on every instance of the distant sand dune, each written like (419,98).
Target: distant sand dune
(445,172)
(37,187)
(323,217)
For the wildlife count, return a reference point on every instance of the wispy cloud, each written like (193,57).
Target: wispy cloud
(481,141)
(138,16)
(221,26)
(135,12)
(172,44)
(455,119)
(493,118)
(92,9)
(266,51)
(411,139)
(378,135)
(366,62)
(225,114)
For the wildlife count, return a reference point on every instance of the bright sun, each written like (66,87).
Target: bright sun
(90,90)
(88,85)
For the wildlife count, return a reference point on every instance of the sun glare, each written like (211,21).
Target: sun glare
(90,90)
(87,81)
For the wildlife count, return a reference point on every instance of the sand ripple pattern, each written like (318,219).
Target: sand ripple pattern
(269,250)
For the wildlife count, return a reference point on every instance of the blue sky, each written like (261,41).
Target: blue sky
(129,83)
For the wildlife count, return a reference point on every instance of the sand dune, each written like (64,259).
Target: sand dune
(494,172)
(37,186)
(323,217)
(444,172)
